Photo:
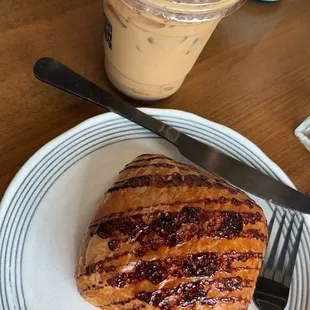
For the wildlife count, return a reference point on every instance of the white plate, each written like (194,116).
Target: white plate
(49,203)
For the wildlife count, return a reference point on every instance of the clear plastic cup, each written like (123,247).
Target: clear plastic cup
(151,45)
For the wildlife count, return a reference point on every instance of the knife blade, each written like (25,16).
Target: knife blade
(243,176)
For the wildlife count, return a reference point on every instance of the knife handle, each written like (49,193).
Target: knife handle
(55,73)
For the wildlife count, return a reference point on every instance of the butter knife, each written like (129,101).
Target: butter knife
(243,176)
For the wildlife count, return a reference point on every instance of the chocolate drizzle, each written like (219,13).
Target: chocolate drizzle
(189,266)
(192,265)
(113,245)
(152,298)
(171,228)
(148,161)
(207,201)
(188,294)
(149,157)
(157,165)
(169,180)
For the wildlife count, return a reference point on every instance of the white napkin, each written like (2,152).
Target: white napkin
(302,132)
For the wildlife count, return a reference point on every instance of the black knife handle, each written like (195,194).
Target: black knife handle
(57,74)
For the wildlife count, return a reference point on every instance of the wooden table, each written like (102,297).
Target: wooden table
(253,76)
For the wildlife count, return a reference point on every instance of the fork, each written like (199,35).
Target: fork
(273,284)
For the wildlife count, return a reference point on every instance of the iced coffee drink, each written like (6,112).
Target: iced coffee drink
(151,45)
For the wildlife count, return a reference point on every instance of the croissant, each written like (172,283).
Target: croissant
(169,236)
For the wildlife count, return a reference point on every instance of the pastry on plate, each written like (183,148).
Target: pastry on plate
(169,236)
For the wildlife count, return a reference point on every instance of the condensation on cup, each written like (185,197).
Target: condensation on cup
(151,45)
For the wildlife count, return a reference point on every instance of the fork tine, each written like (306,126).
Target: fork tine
(273,251)
(279,273)
(290,267)
(271,222)
(270,226)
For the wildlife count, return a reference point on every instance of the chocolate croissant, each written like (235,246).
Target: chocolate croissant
(169,236)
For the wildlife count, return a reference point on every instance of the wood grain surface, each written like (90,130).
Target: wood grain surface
(253,76)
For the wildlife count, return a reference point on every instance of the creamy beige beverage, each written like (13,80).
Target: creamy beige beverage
(151,45)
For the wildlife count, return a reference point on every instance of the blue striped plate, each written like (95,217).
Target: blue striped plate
(48,205)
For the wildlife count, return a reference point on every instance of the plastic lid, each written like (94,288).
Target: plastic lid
(186,11)
(188,2)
